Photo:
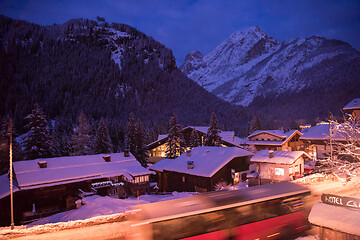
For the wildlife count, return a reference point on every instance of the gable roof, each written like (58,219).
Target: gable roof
(63,170)
(159,166)
(207,160)
(226,136)
(321,132)
(277,133)
(353,105)
(280,157)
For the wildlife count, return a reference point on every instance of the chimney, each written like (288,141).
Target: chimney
(126,153)
(188,153)
(271,153)
(190,164)
(107,158)
(42,164)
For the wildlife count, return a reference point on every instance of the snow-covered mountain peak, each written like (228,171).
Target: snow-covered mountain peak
(253,32)
(192,62)
(226,59)
(251,64)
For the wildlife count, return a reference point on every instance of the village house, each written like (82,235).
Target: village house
(277,140)
(353,107)
(277,166)
(157,149)
(202,168)
(47,186)
(317,139)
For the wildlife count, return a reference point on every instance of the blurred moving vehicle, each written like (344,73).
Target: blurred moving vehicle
(272,211)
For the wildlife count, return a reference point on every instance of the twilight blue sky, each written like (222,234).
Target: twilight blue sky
(187,25)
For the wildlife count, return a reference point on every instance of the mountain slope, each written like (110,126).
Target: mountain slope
(251,69)
(104,70)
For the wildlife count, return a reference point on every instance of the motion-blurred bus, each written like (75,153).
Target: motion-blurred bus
(272,211)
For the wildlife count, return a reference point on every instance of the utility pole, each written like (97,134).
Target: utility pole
(11,179)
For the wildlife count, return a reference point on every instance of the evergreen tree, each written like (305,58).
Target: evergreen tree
(102,138)
(194,139)
(130,136)
(62,136)
(141,154)
(81,140)
(175,141)
(5,145)
(254,124)
(212,136)
(37,142)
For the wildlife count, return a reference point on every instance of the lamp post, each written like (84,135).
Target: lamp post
(11,180)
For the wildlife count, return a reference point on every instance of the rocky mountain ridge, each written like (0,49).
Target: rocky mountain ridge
(250,67)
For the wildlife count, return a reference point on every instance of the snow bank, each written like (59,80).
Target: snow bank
(337,218)
(317,178)
(95,206)
(97,210)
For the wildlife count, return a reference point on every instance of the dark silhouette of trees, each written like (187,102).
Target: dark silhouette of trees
(212,135)
(82,143)
(102,138)
(175,141)
(37,142)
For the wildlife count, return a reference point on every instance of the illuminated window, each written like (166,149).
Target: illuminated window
(183,178)
(279,171)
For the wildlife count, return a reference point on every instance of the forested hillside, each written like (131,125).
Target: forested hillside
(105,70)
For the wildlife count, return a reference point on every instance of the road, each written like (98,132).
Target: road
(118,230)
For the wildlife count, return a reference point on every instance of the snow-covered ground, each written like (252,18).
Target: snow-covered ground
(95,206)
(96,210)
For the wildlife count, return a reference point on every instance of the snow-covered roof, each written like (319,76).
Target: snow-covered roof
(5,186)
(159,166)
(285,135)
(280,157)
(277,133)
(207,160)
(226,136)
(337,218)
(354,104)
(320,132)
(161,137)
(62,170)
(270,143)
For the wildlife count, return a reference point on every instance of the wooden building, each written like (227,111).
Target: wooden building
(353,108)
(278,166)
(157,149)
(317,140)
(201,169)
(47,186)
(277,140)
